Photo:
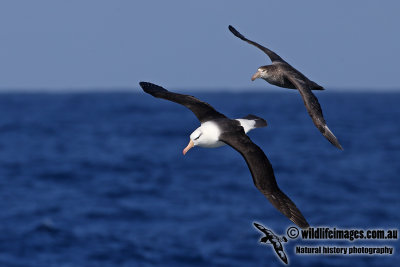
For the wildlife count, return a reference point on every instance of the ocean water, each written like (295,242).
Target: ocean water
(99,179)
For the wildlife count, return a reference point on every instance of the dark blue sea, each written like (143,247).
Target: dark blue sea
(99,179)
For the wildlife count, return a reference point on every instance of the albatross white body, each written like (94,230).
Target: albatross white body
(207,135)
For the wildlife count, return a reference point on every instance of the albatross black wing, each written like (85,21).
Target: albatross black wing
(203,111)
(263,175)
(314,110)
(272,55)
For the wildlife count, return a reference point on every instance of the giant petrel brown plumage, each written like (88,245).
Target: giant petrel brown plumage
(282,74)
(217,130)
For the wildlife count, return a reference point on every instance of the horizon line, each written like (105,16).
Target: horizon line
(127,89)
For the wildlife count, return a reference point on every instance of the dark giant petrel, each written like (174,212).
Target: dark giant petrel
(282,74)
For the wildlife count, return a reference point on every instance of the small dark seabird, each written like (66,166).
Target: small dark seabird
(282,74)
(274,240)
(217,130)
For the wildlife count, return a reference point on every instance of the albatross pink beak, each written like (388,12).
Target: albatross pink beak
(255,76)
(189,146)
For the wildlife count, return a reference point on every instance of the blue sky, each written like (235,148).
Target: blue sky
(59,45)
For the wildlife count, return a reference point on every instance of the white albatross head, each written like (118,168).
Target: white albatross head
(205,136)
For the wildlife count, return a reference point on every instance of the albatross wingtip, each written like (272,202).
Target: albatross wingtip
(303,225)
(151,88)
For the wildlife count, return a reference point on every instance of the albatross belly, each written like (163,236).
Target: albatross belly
(210,135)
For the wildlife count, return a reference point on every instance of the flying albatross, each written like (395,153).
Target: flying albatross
(217,130)
(282,74)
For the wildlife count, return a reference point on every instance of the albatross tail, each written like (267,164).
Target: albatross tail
(251,122)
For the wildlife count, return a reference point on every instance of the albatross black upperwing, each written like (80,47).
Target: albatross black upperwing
(263,175)
(203,111)
(272,55)
(314,110)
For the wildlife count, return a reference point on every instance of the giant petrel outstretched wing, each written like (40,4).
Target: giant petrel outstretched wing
(203,111)
(314,109)
(263,175)
(272,55)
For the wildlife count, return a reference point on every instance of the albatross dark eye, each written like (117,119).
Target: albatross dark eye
(198,136)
